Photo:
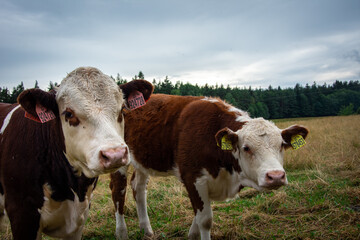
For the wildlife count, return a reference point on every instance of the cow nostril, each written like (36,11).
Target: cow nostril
(269,178)
(104,157)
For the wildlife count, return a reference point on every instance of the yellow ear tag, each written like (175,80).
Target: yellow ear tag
(226,144)
(297,142)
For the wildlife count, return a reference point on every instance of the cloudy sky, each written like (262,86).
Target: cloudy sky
(236,42)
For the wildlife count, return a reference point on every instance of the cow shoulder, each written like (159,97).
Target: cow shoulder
(154,126)
(200,121)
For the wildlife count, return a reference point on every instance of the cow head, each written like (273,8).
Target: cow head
(89,105)
(259,147)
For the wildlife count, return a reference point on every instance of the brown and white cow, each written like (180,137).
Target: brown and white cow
(214,148)
(48,170)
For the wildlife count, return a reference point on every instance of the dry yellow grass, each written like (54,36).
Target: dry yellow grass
(322,200)
(334,144)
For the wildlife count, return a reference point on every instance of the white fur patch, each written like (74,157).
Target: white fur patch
(121,229)
(139,185)
(64,219)
(238,111)
(243,118)
(223,187)
(264,140)
(123,170)
(210,99)
(123,191)
(204,216)
(7,119)
(96,101)
(194,231)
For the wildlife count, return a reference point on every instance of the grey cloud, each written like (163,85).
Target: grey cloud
(353,55)
(218,40)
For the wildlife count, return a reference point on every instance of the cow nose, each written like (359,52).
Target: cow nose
(275,178)
(114,157)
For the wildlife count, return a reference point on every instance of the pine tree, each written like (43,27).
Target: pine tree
(141,75)
(36,84)
(4,95)
(16,92)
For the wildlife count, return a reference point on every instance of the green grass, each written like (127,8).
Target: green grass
(322,200)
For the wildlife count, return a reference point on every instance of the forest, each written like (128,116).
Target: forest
(339,98)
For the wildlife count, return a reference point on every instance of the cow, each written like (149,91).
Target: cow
(54,144)
(214,149)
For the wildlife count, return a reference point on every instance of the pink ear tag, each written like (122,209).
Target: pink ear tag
(44,114)
(136,100)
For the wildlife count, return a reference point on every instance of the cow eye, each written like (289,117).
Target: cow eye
(246,149)
(68,114)
(70,117)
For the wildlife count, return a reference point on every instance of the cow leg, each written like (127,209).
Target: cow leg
(2,216)
(199,196)
(25,224)
(139,181)
(22,208)
(76,236)
(2,210)
(118,189)
(194,231)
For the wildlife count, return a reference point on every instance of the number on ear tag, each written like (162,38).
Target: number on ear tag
(44,114)
(226,143)
(136,100)
(297,142)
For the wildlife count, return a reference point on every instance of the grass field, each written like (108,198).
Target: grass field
(322,200)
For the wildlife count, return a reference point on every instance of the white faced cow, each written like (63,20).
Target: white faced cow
(48,170)
(214,148)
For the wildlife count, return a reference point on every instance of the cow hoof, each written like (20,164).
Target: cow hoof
(122,234)
(147,231)
(149,236)
(194,236)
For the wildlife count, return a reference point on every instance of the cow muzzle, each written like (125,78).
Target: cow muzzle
(114,158)
(275,179)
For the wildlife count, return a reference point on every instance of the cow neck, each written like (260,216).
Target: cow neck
(64,181)
(229,120)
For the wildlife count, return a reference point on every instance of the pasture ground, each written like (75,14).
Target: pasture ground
(322,200)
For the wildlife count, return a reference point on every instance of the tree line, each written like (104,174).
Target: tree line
(339,98)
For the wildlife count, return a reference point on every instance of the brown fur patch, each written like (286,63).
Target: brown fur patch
(118,184)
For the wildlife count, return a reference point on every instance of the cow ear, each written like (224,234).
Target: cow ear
(31,98)
(143,86)
(226,139)
(290,132)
